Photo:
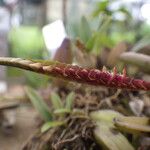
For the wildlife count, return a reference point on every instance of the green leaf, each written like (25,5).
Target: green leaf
(85,30)
(26,47)
(39,104)
(124,11)
(108,137)
(104,115)
(135,120)
(100,38)
(51,124)
(106,134)
(69,100)
(90,42)
(133,125)
(32,78)
(62,111)
(101,7)
(56,101)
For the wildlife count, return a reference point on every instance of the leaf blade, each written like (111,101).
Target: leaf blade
(106,135)
(51,124)
(56,101)
(39,104)
(69,100)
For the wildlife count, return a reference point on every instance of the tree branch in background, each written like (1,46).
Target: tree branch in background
(140,60)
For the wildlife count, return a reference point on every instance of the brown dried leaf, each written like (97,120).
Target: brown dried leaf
(115,53)
(64,52)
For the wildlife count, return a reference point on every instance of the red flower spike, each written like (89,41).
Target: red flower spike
(81,75)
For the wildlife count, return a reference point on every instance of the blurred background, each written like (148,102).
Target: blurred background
(90,33)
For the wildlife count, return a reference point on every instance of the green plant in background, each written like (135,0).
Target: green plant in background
(119,28)
(145,30)
(100,39)
(94,39)
(27,42)
(124,25)
(107,26)
(32,78)
(104,7)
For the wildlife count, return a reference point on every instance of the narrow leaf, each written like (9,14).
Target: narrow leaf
(39,104)
(62,111)
(134,125)
(135,120)
(69,100)
(104,115)
(56,101)
(51,124)
(85,30)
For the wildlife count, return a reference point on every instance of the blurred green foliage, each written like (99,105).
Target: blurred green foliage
(104,7)
(145,30)
(106,26)
(27,42)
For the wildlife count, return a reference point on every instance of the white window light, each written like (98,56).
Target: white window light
(145,11)
(3,86)
(54,34)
